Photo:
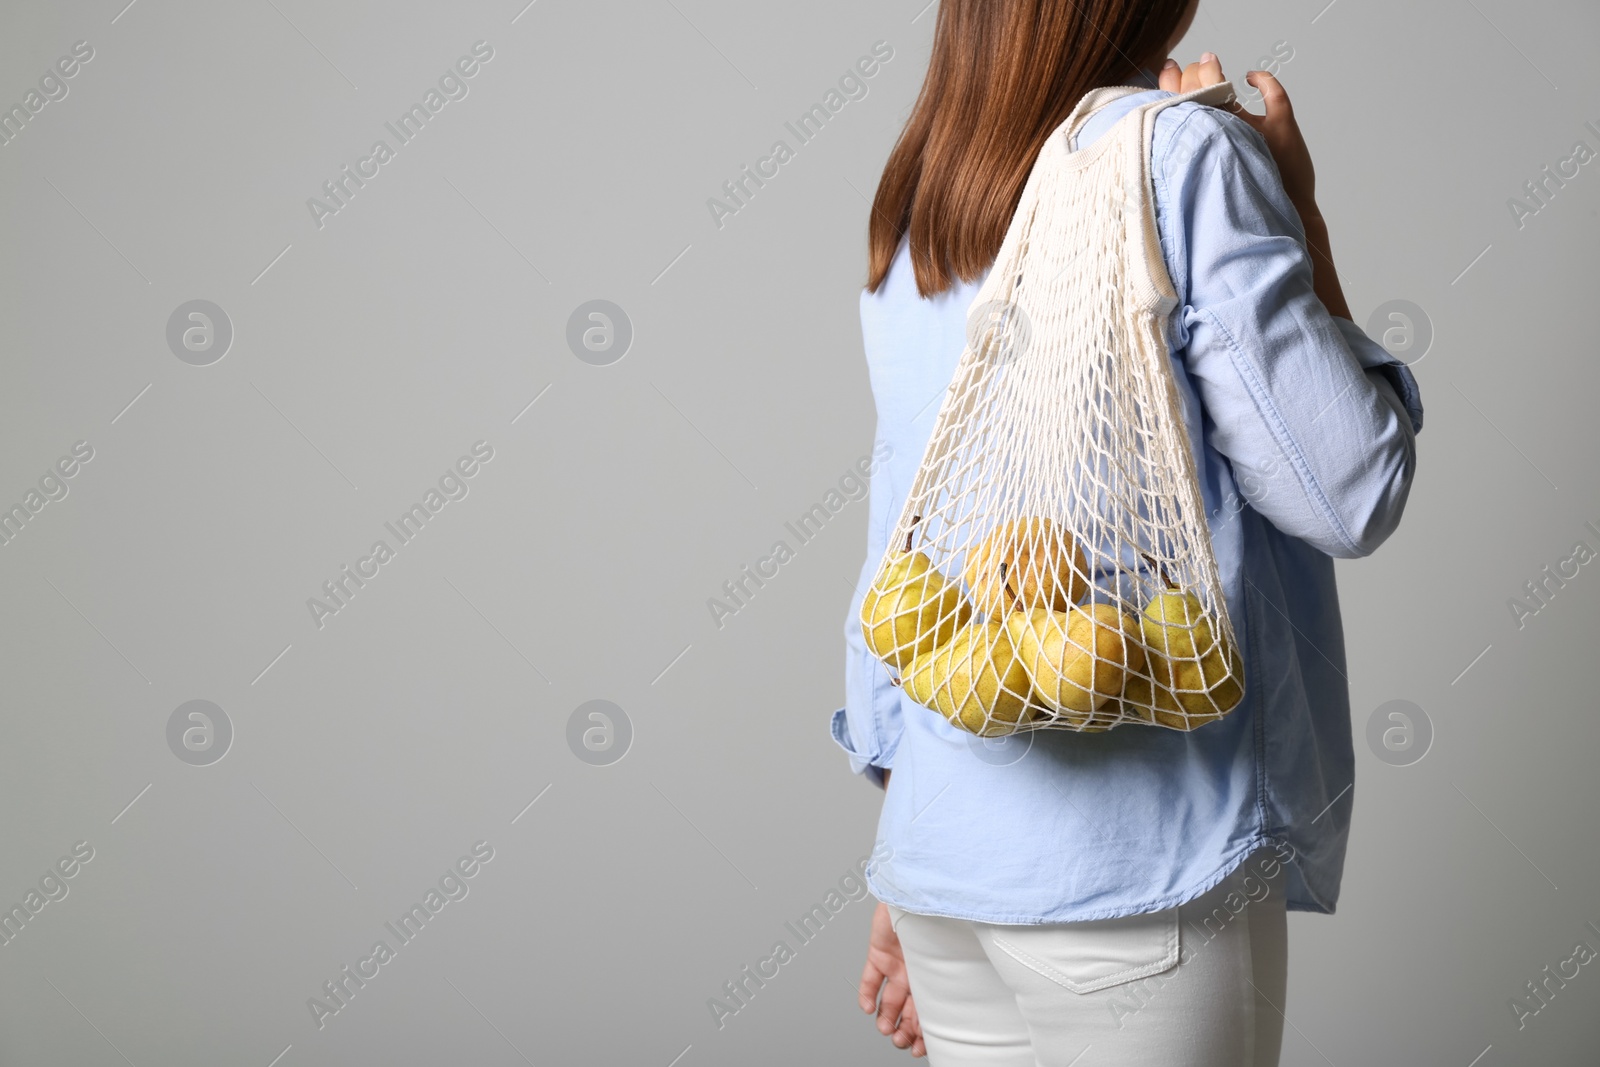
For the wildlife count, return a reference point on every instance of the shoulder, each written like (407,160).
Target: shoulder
(1189,134)
(1215,187)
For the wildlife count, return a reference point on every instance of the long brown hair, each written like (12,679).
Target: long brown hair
(1003,75)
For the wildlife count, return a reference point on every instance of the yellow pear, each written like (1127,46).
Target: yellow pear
(1211,688)
(1136,697)
(1174,624)
(978,682)
(1152,701)
(1097,722)
(910,608)
(1078,659)
(920,678)
(1025,564)
(1186,695)
(1204,674)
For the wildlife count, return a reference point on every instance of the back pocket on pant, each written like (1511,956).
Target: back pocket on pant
(1086,957)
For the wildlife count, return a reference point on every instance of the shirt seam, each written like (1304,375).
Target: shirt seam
(1171,900)
(1160,153)
(1264,788)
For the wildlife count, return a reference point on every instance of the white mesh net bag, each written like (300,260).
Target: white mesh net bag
(1052,566)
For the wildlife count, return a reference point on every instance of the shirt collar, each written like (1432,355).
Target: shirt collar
(1148,77)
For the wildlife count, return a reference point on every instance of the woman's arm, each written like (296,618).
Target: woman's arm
(1289,151)
(1325,279)
(1282,135)
(1317,421)
(885,971)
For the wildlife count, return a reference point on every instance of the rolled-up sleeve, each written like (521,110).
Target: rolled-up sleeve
(1316,419)
(870,725)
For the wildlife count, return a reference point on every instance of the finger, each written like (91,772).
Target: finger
(1198,75)
(895,995)
(1273,96)
(871,979)
(908,1022)
(1250,118)
(911,1023)
(1171,77)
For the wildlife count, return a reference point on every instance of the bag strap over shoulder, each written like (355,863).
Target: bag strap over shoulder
(1145,240)
(1056,156)
(1088,106)
(1219,95)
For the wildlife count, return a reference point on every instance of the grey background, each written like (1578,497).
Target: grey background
(370,754)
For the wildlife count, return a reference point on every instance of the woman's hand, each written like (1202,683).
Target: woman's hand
(1288,147)
(886,970)
(1176,79)
(1277,127)
(1282,134)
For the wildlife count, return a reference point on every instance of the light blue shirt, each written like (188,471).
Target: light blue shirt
(1304,429)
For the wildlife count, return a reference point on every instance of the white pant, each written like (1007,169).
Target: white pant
(1198,985)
